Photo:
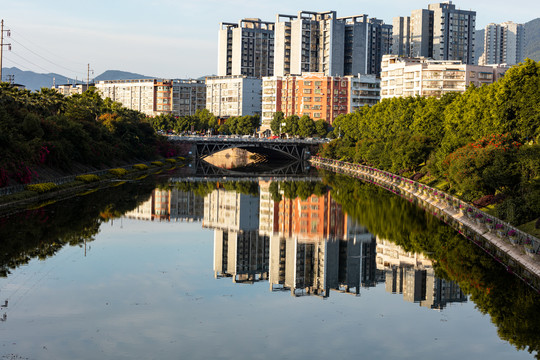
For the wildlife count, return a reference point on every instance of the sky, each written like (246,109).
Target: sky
(175,38)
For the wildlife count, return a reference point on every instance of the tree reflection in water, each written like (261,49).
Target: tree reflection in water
(511,304)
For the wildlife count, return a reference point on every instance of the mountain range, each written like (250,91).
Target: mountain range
(35,81)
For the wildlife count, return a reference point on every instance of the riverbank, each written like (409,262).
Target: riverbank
(20,197)
(515,249)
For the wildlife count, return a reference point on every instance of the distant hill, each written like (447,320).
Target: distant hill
(532,41)
(35,81)
(121,75)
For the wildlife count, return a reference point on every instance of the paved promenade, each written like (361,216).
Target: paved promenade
(516,250)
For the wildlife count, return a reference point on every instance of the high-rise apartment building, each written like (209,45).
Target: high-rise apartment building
(503,44)
(246,48)
(317,95)
(234,95)
(401,38)
(441,32)
(154,97)
(305,42)
(402,76)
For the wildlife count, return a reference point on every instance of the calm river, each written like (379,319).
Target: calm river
(318,268)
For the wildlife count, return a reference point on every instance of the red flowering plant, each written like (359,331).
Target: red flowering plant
(484,166)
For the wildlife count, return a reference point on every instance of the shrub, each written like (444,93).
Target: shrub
(118,172)
(87,178)
(140,167)
(41,188)
(157,163)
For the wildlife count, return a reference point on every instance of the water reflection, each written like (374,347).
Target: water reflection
(311,247)
(304,238)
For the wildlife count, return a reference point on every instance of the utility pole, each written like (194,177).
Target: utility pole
(8,33)
(88,76)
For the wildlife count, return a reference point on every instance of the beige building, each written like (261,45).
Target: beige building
(234,95)
(423,77)
(71,89)
(155,97)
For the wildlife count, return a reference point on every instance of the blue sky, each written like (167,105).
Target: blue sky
(174,38)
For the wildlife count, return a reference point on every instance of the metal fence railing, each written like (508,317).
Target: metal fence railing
(503,230)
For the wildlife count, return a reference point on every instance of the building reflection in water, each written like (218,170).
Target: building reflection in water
(413,276)
(170,205)
(304,246)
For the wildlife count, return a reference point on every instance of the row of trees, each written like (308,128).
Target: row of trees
(484,141)
(204,121)
(298,126)
(46,128)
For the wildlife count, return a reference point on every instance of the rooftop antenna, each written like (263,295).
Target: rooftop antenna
(8,33)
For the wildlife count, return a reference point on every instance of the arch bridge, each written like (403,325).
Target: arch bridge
(296,149)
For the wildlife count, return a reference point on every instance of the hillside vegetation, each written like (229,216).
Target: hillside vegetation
(482,144)
(46,129)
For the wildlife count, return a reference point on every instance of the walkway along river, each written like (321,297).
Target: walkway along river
(516,250)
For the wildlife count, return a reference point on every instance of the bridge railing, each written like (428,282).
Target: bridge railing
(245,140)
(504,230)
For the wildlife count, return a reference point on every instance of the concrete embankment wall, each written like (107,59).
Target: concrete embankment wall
(516,250)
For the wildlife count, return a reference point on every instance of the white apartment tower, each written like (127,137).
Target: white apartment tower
(246,48)
(233,95)
(503,43)
(440,32)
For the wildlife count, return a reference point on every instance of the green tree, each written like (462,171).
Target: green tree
(306,126)
(321,128)
(275,124)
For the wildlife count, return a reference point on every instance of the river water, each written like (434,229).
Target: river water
(325,267)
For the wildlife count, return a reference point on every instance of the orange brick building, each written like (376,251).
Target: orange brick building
(316,95)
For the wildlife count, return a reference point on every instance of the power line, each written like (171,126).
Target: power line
(19,65)
(53,63)
(28,61)
(43,48)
